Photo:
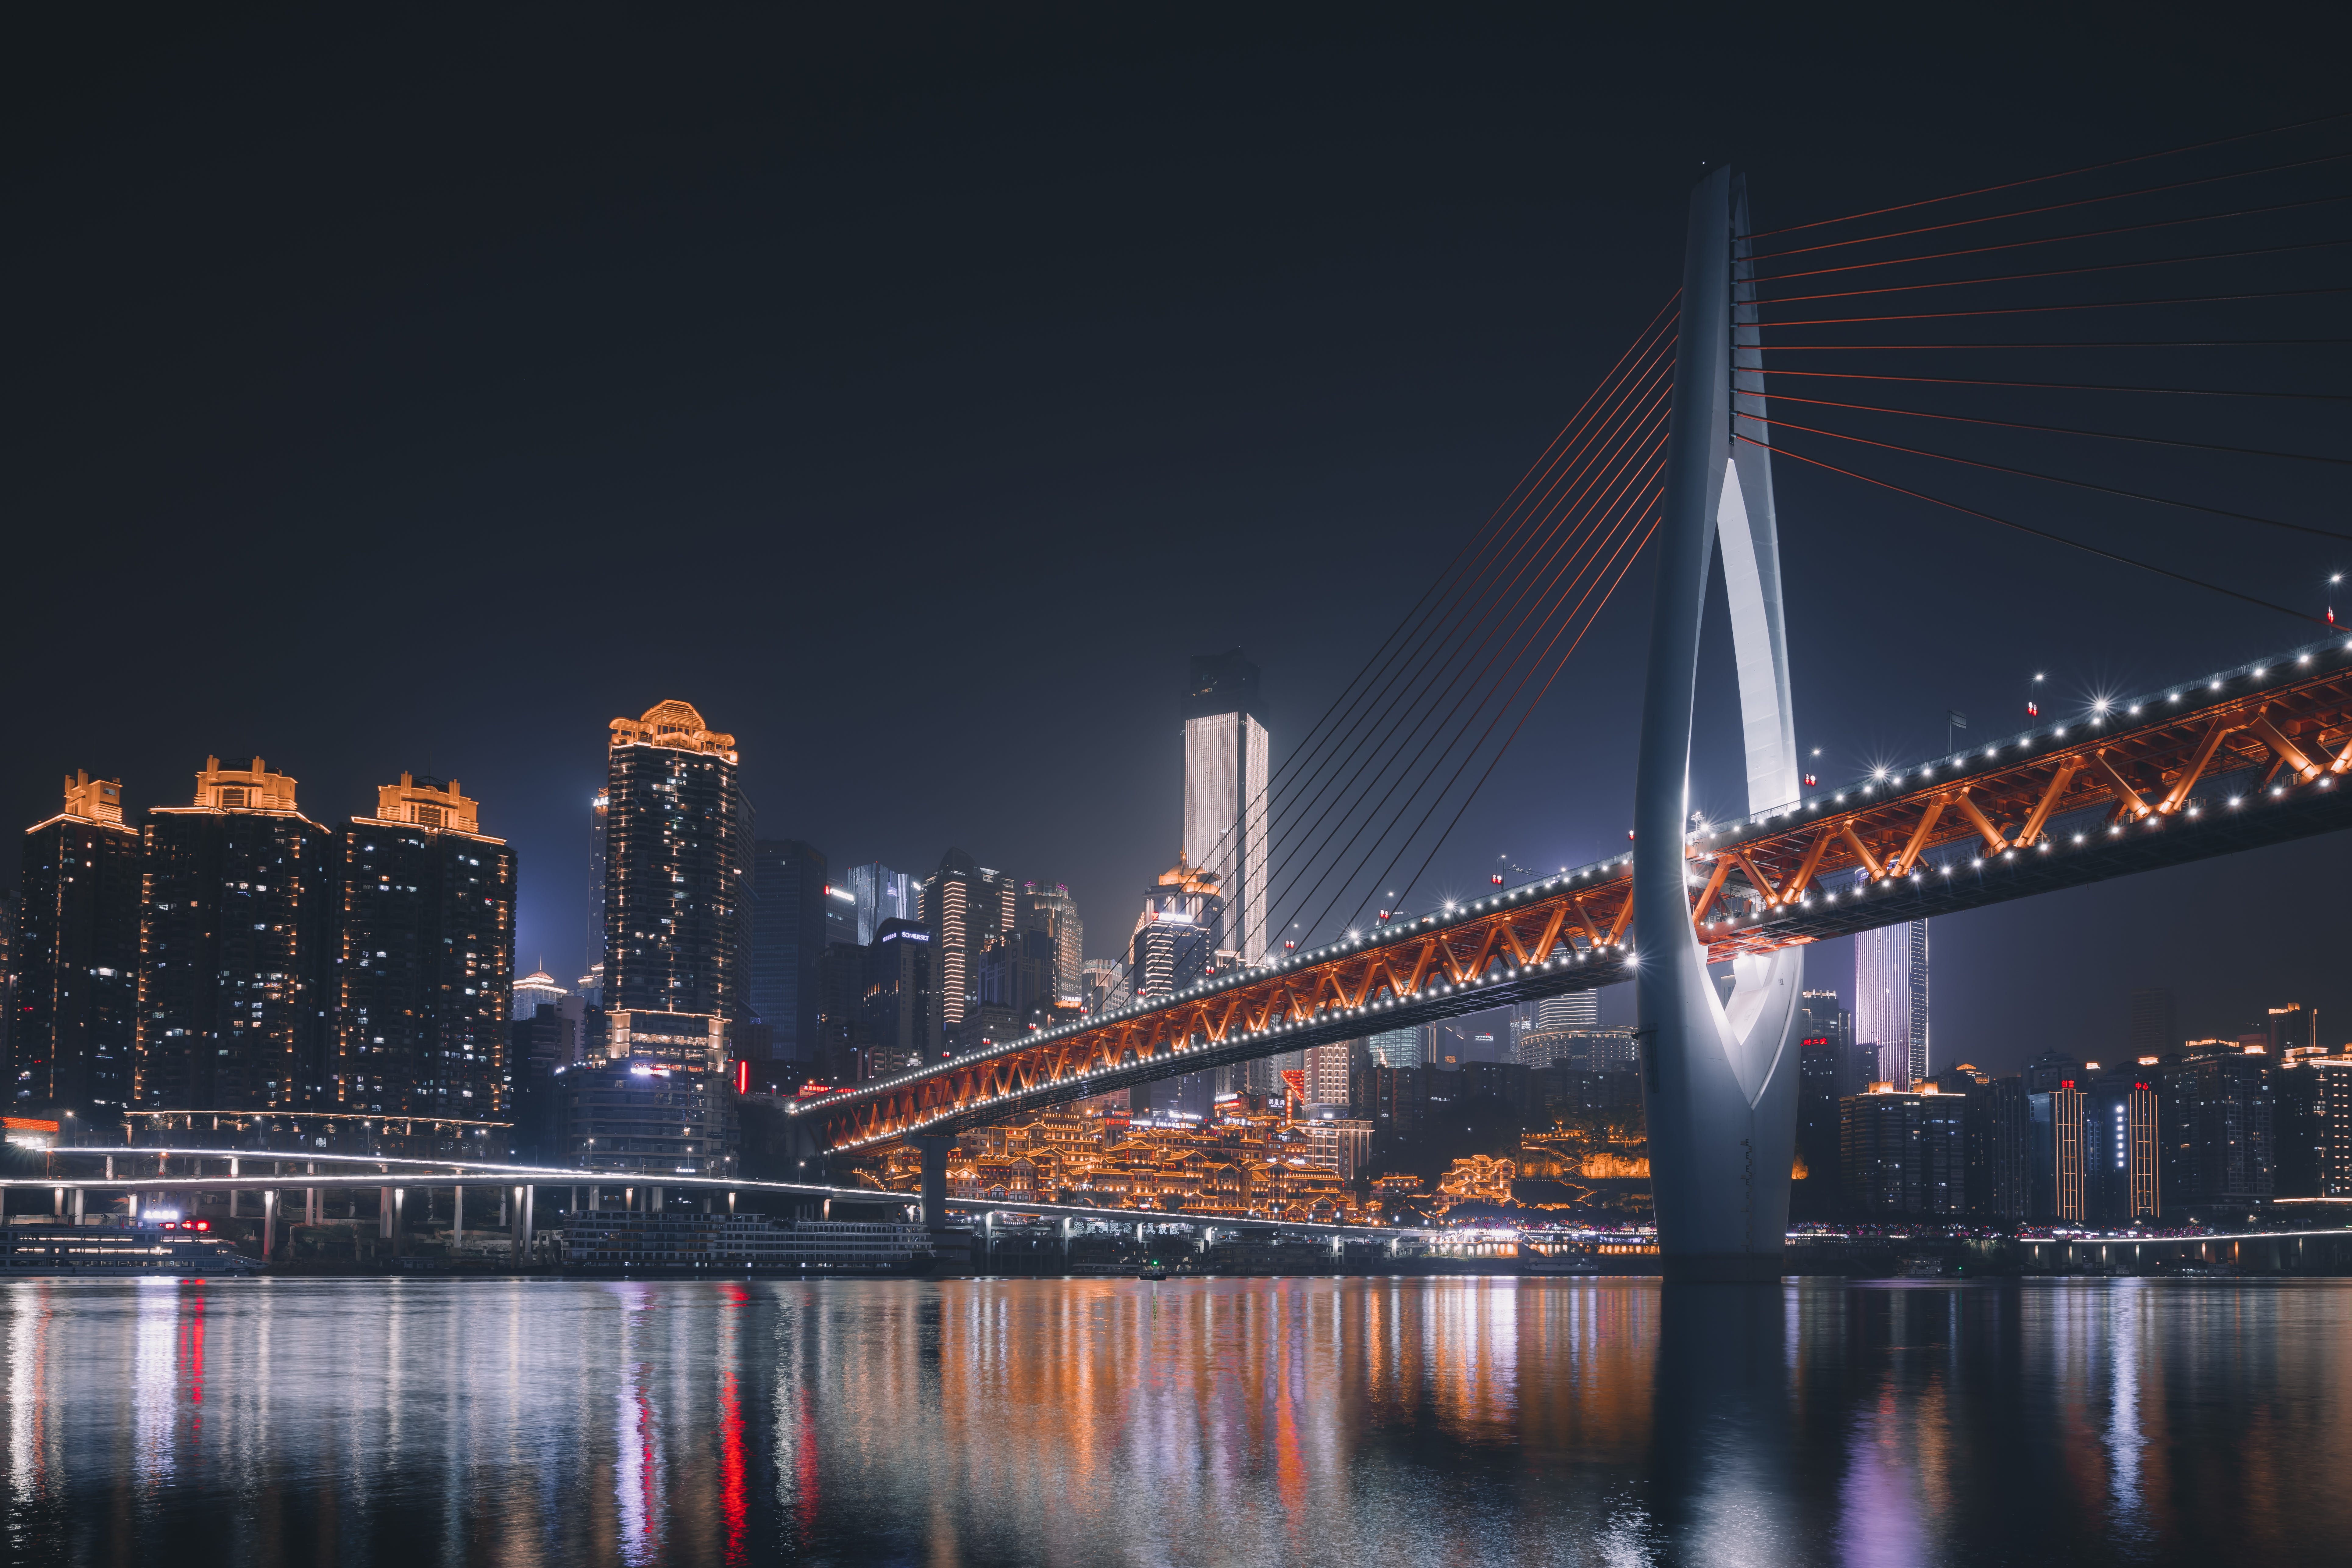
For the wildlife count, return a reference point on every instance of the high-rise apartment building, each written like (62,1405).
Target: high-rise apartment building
(880,894)
(1890,999)
(532,990)
(71,1036)
(2314,1127)
(424,961)
(1999,1141)
(677,858)
(1226,796)
(1904,1155)
(789,917)
(2293,1027)
(2218,1125)
(235,978)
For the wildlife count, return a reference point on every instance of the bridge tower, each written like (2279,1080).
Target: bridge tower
(1719,1077)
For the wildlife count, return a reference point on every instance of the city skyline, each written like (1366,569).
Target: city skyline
(1320,434)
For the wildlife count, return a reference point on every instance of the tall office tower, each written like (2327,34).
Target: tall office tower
(964,905)
(840,914)
(70,1039)
(2060,1153)
(2155,1022)
(1396,1048)
(1904,1155)
(881,894)
(901,1008)
(1577,1010)
(1226,802)
(840,1013)
(1184,920)
(537,987)
(1049,908)
(1821,1017)
(1821,1088)
(598,810)
(1103,983)
(1890,999)
(2293,1027)
(791,895)
(1329,1071)
(236,973)
(677,859)
(425,962)
(2121,1163)
(2218,1126)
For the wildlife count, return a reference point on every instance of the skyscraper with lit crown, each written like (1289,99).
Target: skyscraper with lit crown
(235,978)
(69,1044)
(676,854)
(425,960)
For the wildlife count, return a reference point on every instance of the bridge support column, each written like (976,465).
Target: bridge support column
(383,1213)
(935,1182)
(457,1216)
(1718,1079)
(77,1206)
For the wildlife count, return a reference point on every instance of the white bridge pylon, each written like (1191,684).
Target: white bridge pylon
(1719,1077)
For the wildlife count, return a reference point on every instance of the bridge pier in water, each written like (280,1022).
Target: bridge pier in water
(1718,1079)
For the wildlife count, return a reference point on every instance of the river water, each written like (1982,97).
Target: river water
(409,1422)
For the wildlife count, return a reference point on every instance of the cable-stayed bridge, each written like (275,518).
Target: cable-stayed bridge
(2233,761)
(1674,449)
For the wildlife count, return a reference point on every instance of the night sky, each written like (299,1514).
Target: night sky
(914,397)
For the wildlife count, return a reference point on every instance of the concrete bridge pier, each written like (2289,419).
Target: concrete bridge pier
(935,1181)
(1719,1077)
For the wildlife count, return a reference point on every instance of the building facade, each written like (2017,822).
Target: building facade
(72,1037)
(789,915)
(900,1008)
(965,905)
(424,972)
(1226,793)
(1904,1155)
(676,865)
(2218,1125)
(235,978)
(1890,1000)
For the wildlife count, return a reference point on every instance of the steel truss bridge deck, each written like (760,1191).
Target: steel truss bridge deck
(2235,761)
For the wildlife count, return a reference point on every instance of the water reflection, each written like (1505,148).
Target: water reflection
(1470,1421)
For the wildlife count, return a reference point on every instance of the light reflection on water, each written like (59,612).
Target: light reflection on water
(406,1422)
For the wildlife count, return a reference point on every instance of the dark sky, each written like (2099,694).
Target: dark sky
(916,395)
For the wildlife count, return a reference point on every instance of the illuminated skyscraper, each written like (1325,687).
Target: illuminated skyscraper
(882,894)
(597,812)
(965,905)
(1048,907)
(678,855)
(1577,1010)
(2121,1159)
(424,963)
(1226,802)
(70,1039)
(1890,999)
(236,975)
